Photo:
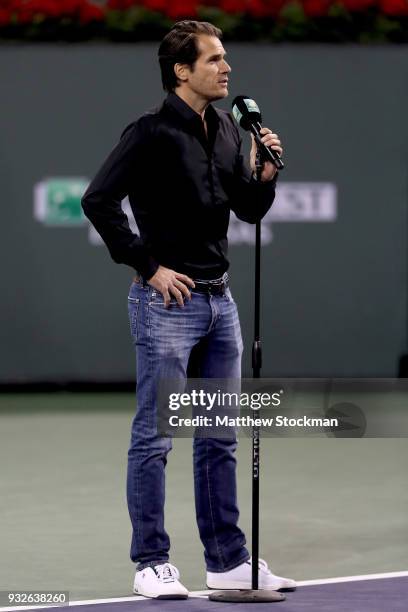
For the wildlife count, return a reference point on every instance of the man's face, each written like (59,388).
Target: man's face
(209,77)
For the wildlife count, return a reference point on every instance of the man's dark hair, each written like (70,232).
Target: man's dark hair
(179,46)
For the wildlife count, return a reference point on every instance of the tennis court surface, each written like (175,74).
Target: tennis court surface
(371,593)
(329,507)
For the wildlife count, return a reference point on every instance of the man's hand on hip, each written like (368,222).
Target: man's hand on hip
(271,140)
(169,283)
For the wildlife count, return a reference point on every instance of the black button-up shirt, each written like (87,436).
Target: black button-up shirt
(181,185)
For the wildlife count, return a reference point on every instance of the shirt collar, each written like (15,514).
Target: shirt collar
(186,112)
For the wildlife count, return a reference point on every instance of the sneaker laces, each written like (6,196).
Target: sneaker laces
(262,565)
(166,572)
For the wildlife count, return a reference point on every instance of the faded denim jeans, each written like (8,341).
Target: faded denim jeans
(163,339)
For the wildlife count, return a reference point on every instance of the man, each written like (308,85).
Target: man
(183,170)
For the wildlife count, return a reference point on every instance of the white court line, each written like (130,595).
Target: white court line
(199,594)
(353,578)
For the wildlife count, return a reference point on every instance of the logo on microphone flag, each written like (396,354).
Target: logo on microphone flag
(251,105)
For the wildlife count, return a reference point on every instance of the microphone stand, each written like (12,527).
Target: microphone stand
(254,595)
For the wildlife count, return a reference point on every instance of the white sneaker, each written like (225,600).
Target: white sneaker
(159,582)
(241,578)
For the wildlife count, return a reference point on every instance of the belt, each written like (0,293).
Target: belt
(212,287)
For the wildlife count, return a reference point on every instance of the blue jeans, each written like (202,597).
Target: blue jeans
(164,339)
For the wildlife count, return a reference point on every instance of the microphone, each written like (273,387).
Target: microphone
(248,115)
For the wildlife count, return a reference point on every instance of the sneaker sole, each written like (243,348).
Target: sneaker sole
(169,596)
(287,589)
(243,586)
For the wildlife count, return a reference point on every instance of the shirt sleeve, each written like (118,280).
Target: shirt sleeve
(251,199)
(102,201)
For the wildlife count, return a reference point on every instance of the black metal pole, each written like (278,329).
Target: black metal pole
(254,594)
(256,373)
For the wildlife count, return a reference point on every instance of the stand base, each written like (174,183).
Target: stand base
(246,596)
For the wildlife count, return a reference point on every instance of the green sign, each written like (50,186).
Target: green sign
(57,201)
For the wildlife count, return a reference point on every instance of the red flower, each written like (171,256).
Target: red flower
(358,5)
(157,5)
(394,7)
(233,6)
(181,8)
(90,12)
(264,8)
(71,7)
(28,10)
(172,8)
(24,16)
(316,8)
(255,8)
(120,5)
(48,8)
(259,8)
(5,16)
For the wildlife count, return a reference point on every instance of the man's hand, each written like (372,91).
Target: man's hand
(170,282)
(271,140)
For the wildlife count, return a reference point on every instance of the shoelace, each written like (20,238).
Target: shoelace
(262,565)
(166,572)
